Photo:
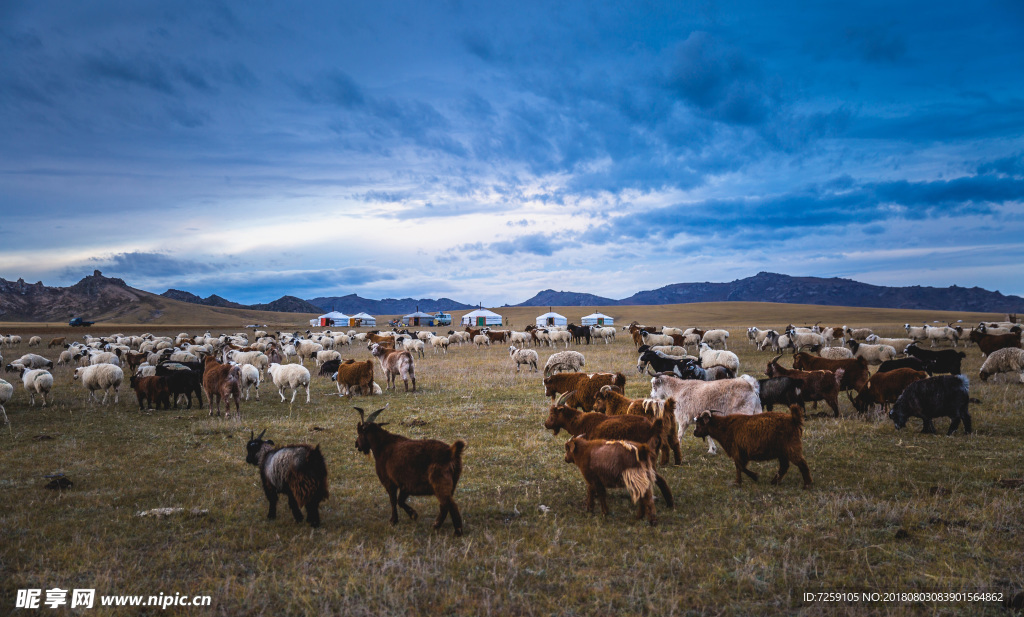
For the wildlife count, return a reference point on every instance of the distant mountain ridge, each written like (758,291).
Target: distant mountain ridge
(785,289)
(352,304)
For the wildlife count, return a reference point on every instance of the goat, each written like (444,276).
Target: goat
(778,391)
(1006,360)
(395,363)
(988,343)
(355,377)
(855,370)
(942,361)
(412,467)
(583,387)
(609,401)
(221,381)
(617,464)
(943,395)
(564,361)
(762,437)
(814,385)
(155,391)
(299,471)
(884,388)
(737,395)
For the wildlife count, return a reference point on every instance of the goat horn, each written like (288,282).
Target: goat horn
(373,416)
(561,399)
(251,434)
(361,418)
(260,436)
(775,360)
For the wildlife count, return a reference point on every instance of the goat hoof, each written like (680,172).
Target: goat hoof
(458,532)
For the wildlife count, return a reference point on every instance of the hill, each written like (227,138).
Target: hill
(352,304)
(103,299)
(784,289)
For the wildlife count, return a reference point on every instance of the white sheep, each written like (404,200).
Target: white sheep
(439,342)
(104,357)
(559,336)
(103,377)
(32,360)
(718,357)
(290,376)
(343,390)
(1006,360)
(307,349)
(35,341)
(6,392)
(413,346)
(873,354)
(607,334)
(941,333)
(654,340)
(528,357)
(564,362)
(857,333)
(481,339)
(522,339)
(670,350)
(342,339)
(799,340)
(895,343)
(835,353)
(716,337)
(36,381)
(326,356)
(145,370)
(248,377)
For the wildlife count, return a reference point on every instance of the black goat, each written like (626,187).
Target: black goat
(941,361)
(909,362)
(182,380)
(779,391)
(935,397)
(298,471)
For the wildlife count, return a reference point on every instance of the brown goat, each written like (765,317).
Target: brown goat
(761,437)
(356,376)
(598,425)
(220,381)
(856,369)
(885,388)
(618,464)
(57,342)
(610,402)
(988,343)
(814,385)
(584,387)
(155,391)
(410,467)
(498,336)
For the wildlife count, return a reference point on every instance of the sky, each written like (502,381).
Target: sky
(484,151)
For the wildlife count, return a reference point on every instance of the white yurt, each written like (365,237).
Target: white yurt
(362,319)
(334,318)
(481,317)
(597,319)
(551,318)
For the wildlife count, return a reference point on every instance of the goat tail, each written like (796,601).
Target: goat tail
(797,413)
(457,449)
(308,480)
(638,480)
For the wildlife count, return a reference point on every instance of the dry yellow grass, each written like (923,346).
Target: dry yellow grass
(889,511)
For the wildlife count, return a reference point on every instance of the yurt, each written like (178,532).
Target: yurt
(418,318)
(481,317)
(551,319)
(362,319)
(598,319)
(334,318)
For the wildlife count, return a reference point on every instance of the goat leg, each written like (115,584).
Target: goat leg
(783,468)
(294,505)
(402,497)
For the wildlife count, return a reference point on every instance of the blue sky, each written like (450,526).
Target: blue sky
(487,150)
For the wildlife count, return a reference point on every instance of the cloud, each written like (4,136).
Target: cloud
(720,81)
(135,71)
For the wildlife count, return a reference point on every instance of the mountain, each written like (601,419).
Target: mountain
(770,287)
(550,297)
(213,300)
(352,304)
(104,299)
(286,304)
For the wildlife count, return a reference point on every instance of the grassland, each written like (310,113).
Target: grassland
(889,511)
